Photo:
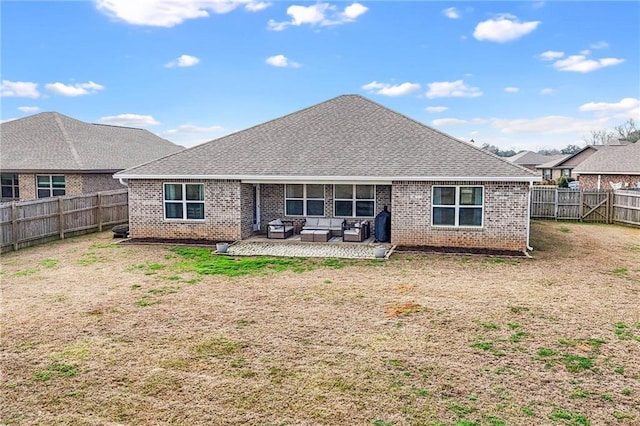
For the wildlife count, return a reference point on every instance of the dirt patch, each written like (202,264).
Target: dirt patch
(95,332)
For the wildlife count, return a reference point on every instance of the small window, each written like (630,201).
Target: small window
(50,185)
(354,200)
(304,200)
(184,201)
(546,174)
(457,206)
(10,187)
(566,172)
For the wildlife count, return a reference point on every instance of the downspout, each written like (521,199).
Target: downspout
(599,176)
(529,248)
(123,181)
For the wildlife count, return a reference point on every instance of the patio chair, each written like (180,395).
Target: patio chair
(357,232)
(280,229)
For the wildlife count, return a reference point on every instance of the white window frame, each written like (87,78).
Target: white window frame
(304,200)
(183,201)
(547,174)
(457,206)
(354,199)
(567,174)
(50,187)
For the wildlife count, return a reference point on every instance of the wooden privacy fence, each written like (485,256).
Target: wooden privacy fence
(586,205)
(25,223)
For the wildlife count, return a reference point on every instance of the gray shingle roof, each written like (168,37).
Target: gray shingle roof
(612,159)
(348,136)
(52,141)
(531,158)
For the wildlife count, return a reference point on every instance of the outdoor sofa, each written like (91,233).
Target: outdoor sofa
(332,224)
(356,232)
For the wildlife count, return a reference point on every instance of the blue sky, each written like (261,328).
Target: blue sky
(522,75)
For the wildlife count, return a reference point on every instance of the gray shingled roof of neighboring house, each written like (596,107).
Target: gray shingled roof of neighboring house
(531,158)
(50,141)
(347,137)
(612,159)
(553,163)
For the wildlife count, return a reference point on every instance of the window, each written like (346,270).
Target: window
(304,200)
(184,201)
(10,188)
(457,206)
(354,200)
(566,172)
(546,174)
(50,185)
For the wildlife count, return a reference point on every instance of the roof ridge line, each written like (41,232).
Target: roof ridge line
(68,141)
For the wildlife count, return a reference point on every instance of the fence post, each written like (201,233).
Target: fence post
(14,226)
(99,211)
(61,217)
(610,201)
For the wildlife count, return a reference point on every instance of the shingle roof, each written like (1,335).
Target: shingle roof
(52,141)
(531,158)
(612,159)
(348,137)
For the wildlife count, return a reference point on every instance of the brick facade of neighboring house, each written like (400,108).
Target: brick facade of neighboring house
(505,217)
(591,181)
(75,184)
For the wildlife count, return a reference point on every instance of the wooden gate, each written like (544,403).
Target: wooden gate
(596,206)
(572,204)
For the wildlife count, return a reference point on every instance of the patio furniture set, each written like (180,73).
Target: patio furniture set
(320,230)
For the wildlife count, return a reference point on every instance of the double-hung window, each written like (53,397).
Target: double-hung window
(50,185)
(354,200)
(304,199)
(10,187)
(184,201)
(546,174)
(458,206)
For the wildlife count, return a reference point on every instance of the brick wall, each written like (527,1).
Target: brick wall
(591,181)
(505,217)
(247,210)
(222,212)
(75,184)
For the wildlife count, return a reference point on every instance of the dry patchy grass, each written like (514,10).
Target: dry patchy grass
(97,333)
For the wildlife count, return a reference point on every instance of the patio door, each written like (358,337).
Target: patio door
(256,207)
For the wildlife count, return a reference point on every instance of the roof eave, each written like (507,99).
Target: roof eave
(380,180)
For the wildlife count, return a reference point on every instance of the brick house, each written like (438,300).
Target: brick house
(49,154)
(347,157)
(611,166)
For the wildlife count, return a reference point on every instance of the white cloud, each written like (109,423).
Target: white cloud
(552,124)
(452,89)
(29,109)
(436,109)
(189,128)
(449,122)
(551,55)
(135,120)
(580,63)
(624,109)
(511,89)
(451,12)
(547,91)
(322,14)
(391,90)
(168,13)
(19,89)
(183,61)
(257,6)
(282,62)
(599,45)
(503,29)
(77,89)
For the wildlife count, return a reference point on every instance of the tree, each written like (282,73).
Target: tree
(497,151)
(570,149)
(628,132)
(549,151)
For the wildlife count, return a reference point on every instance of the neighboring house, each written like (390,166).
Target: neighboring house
(347,157)
(49,154)
(564,165)
(612,166)
(531,160)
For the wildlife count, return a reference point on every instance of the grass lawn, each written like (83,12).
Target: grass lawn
(99,333)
